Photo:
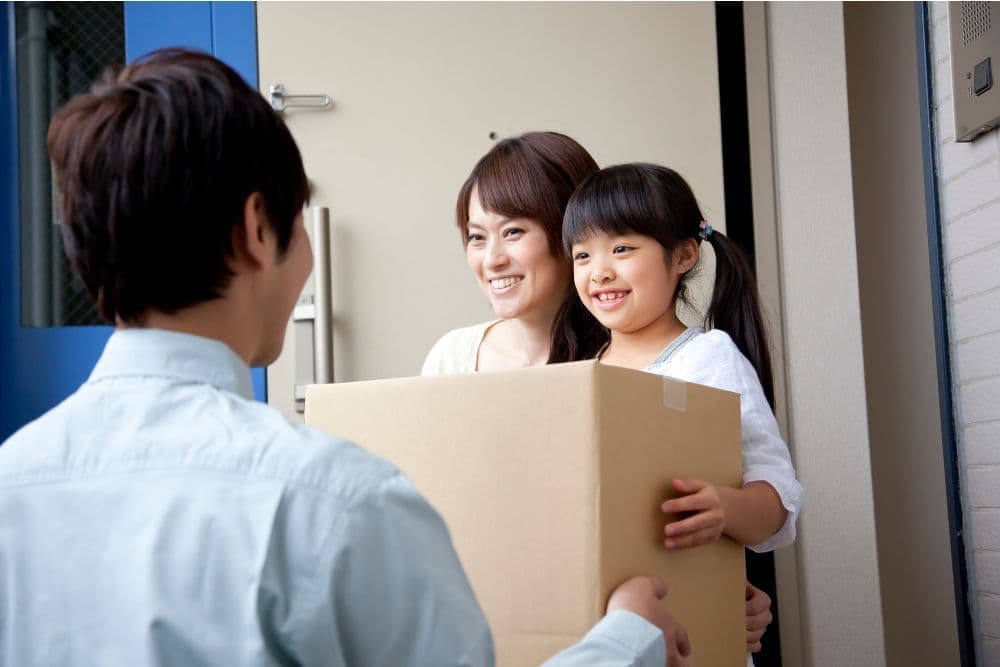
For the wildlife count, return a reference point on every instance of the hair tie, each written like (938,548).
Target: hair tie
(704,230)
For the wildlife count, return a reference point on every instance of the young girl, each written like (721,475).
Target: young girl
(633,232)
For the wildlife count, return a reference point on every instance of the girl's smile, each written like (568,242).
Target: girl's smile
(608,299)
(627,282)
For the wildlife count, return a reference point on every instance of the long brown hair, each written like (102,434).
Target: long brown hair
(533,176)
(657,202)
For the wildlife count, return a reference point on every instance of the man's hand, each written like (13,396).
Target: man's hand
(644,596)
(758,616)
(708,515)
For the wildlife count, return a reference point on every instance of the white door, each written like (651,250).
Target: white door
(420,91)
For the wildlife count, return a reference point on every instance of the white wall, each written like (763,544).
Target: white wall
(969,187)
(840,606)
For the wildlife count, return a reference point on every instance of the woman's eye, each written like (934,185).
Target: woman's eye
(475,237)
(512,231)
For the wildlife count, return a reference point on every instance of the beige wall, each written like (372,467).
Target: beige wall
(840,609)
(897,328)
(769,282)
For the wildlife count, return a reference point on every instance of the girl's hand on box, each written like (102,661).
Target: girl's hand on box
(704,502)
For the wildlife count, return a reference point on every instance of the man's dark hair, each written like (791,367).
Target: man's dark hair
(154,166)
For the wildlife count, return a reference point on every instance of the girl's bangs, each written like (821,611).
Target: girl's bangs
(615,201)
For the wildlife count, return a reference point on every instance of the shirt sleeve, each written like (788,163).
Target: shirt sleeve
(620,639)
(395,592)
(765,455)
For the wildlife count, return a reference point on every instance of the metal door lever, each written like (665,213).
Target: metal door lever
(280,100)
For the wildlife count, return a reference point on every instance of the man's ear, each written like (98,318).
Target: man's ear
(253,238)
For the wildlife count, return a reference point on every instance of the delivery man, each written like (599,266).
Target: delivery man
(161,516)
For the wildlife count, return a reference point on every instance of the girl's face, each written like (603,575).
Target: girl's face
(628,281)
(512,263)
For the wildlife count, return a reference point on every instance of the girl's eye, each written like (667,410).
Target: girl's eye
(579,256)
(621,248)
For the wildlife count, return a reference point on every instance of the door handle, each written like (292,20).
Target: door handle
(317,309)
(281,100)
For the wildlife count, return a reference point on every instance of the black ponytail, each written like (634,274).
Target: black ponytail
(735,308)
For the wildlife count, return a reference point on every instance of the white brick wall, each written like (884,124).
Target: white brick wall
(972,232)
(969,188)
(980,442)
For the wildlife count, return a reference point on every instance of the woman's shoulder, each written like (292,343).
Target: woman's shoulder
(456,351)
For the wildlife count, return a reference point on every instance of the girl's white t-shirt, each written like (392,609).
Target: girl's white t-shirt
(711,358)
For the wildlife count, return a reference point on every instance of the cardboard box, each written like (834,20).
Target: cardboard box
(550,480)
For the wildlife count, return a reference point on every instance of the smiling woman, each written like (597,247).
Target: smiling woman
(513,263)
(509,212)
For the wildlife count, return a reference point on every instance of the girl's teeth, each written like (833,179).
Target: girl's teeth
(606,296)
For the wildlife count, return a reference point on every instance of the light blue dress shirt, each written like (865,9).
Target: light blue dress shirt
(160,516)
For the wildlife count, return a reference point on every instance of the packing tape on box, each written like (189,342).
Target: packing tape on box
(675,394)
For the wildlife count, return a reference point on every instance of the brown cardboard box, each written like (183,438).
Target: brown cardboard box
(550,480)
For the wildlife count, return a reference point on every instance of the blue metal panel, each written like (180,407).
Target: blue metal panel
(9,278)
(39,367)
(234,34)
(155,25)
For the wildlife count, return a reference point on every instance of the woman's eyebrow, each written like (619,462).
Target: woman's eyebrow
(500,223)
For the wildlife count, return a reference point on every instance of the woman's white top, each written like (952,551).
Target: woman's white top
(709,358)
(457,352)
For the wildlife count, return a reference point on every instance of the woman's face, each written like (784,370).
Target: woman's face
(512,263)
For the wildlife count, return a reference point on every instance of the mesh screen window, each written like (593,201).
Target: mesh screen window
(61,48)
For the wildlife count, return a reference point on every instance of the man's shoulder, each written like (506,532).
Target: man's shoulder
(306,457)
(212,432)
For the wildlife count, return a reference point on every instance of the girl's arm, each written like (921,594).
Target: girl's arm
(771,494)
(753,512)
(767,470)
(749,515)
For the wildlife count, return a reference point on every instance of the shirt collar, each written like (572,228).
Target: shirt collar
(178,356)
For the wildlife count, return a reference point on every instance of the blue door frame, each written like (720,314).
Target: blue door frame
(41,366)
